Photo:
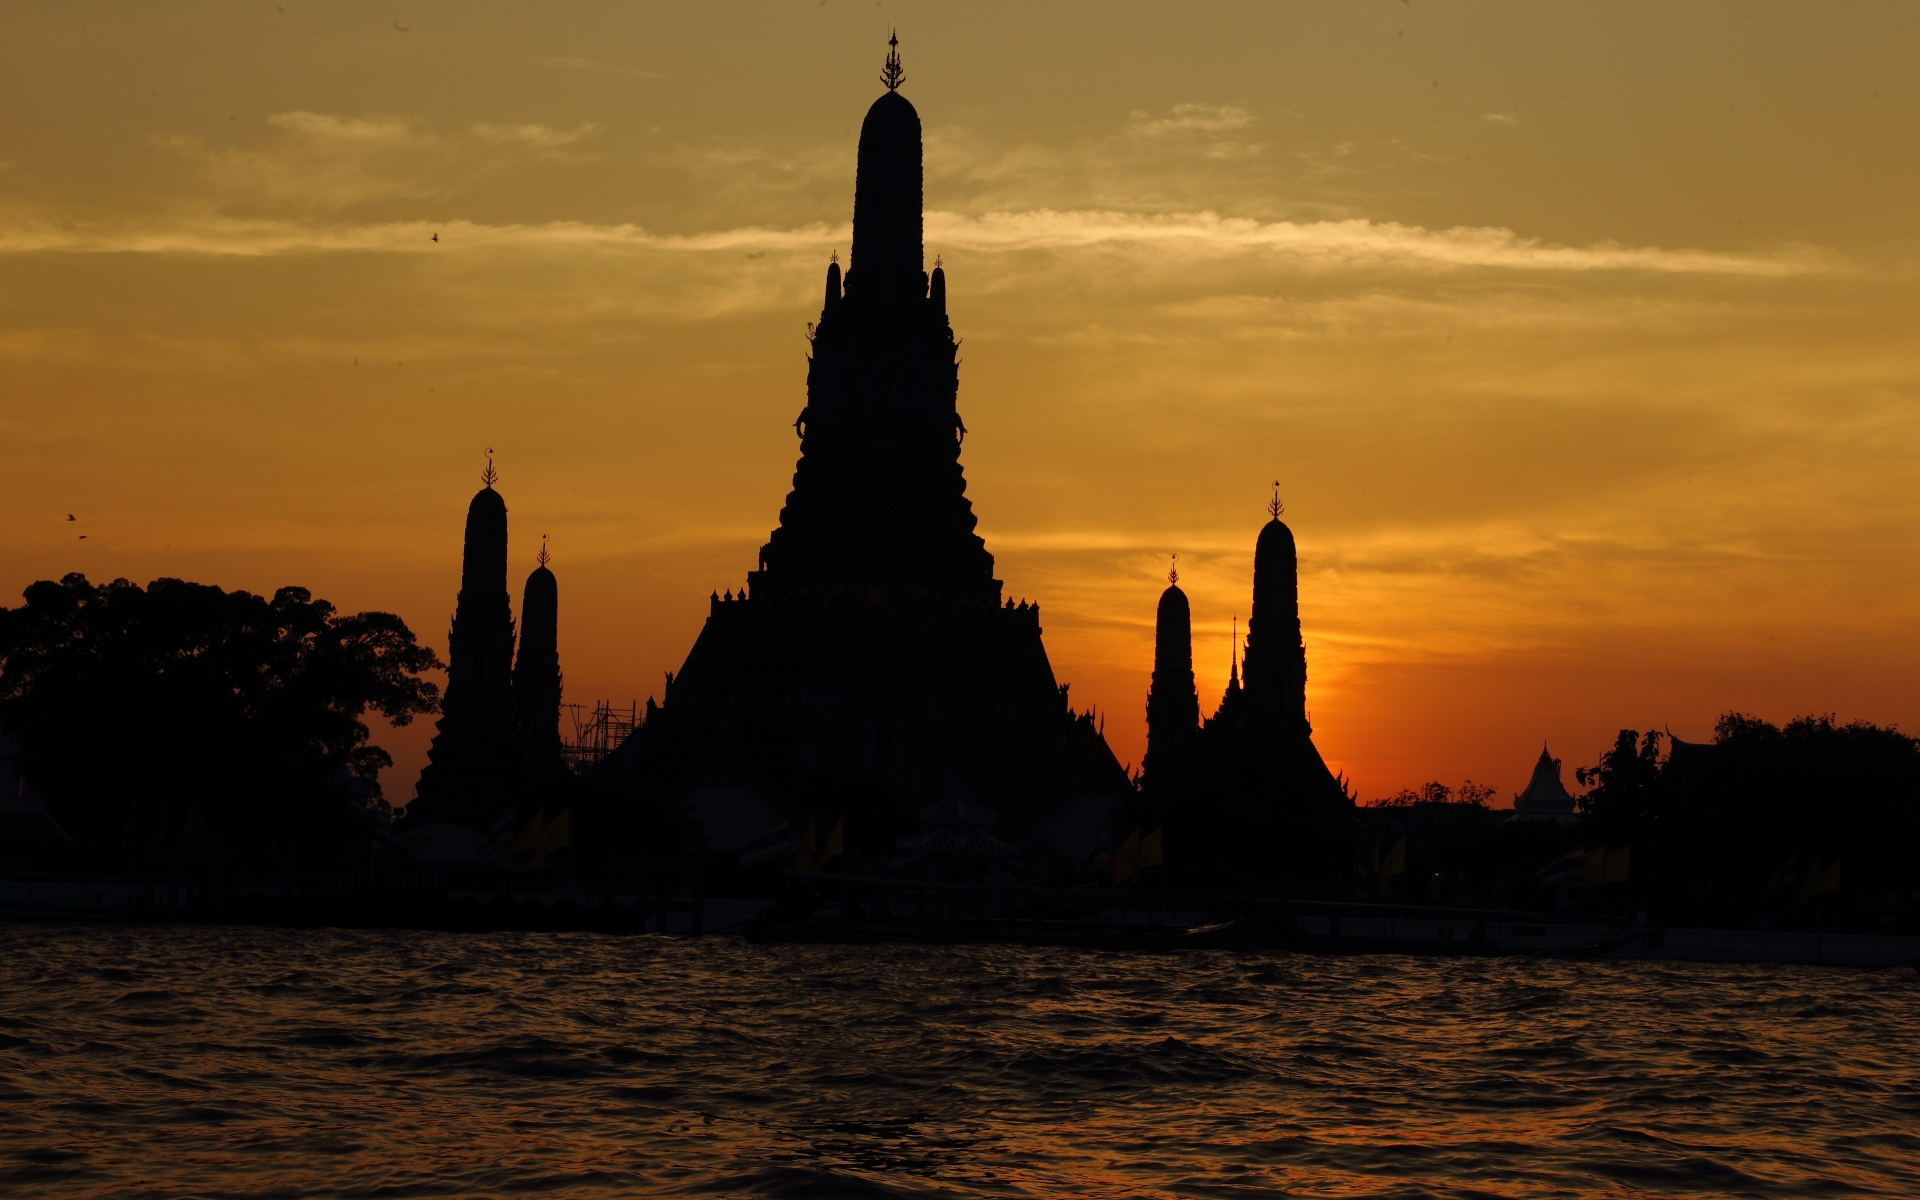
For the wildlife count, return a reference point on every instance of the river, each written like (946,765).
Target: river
(196,1061)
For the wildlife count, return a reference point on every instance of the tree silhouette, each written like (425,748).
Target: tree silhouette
(147,713)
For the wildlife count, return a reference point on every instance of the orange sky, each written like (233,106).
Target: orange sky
(1581,337)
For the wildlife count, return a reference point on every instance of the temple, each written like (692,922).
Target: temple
(1173,704)
(536,673)
(1253,798)
(871,664)
(1546,797)
(498,738)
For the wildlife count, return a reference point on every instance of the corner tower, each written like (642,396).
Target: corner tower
(536,671)
(1173,705)
(1272,809)
(1276,665)
(473,763)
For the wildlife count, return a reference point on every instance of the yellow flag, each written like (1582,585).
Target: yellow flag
(1395,864)
(1150,851)
(836,844)
(1397,858)
(556,836)
(1829,881)
(1126,860)
(529,838)
(1819,883)
(1617,864)
(1596,867)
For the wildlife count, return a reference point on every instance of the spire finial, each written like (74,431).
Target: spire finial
(938,262)
(1233,654)
(834,257)
(893,76)
(1173,572)
(1274,507)
(545,558)
(489,476)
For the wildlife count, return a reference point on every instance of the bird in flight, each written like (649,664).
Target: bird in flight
(83,537)
(436,237)
(69,516)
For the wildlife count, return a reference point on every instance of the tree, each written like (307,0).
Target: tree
(143,713)
(1622,802)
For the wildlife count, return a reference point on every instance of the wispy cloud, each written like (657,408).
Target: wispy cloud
(1189,118)
(1333,244)
(1501,118)
(1318,245)
(594,66)
(316,161)
(1211,129)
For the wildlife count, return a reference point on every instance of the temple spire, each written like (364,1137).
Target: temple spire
(887,264)
(893,76)
(1173,706)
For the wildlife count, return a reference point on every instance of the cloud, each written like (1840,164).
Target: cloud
(315,161)
(1203,126)
(1317,245)
(1335,244)
(256,238)
(594,66)
(1501,118)
(1190,118)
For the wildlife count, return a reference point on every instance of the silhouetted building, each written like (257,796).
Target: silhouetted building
(1264,804)
(1546,797)
(871,659)
(1173,704)
(536,673)
(473,766)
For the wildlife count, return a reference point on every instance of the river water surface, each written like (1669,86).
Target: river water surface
(244,1062)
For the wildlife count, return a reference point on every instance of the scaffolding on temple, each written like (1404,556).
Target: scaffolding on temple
(597,734)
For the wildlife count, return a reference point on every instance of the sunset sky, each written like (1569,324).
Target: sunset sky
(1584,340)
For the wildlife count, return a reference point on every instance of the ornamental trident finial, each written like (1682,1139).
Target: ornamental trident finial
(1173,572)
(489,476)
(545,558)
(1274,507)
(893,76)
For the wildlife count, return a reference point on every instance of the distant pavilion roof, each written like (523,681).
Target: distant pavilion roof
(1545,796)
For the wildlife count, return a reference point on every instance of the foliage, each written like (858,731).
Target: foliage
(1468,793)
(146,714)
(1716,828)
(1622,803)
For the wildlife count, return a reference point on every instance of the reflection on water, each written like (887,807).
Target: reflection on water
(231,1062)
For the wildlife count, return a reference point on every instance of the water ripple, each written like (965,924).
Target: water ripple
(239,1062)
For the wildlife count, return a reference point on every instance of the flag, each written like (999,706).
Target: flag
(1829,881)
(1395,864)
(1126,860)
(555,836)
(836,844)
(1617,864)
(1150,851)
(803,858)
(775,841)
(1819,883)
(1784,878)
(529,839)
(1566,870)
(1596,873)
